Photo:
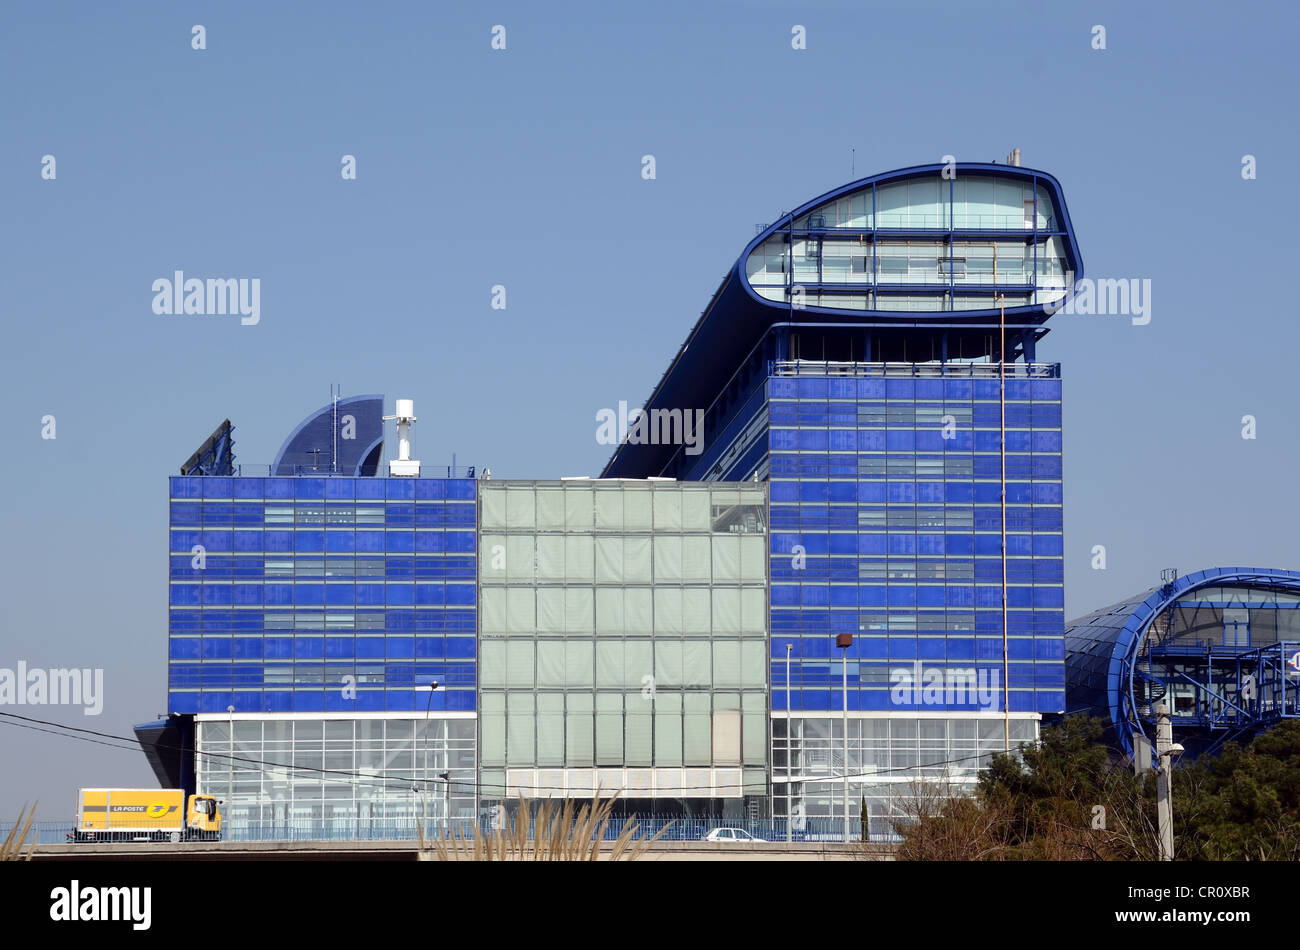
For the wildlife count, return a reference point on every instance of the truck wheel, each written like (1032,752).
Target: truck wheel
(176,837)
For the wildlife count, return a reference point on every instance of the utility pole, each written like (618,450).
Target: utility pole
(1166,750)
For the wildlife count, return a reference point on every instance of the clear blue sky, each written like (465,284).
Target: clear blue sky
(522,168)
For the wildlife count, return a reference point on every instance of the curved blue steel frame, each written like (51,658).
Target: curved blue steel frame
(1014,315)
(310,446)
(1099,667)
(738,326)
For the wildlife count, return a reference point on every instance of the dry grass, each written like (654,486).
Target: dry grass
(553,833)
(11,849)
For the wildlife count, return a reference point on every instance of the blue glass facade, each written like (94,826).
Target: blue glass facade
(885,529)
(329,594)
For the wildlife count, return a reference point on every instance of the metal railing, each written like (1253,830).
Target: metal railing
(957,370)
(829,830)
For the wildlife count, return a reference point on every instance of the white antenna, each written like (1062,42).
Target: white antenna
(403,465)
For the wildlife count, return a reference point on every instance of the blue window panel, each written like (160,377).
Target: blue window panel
(400,488)
(816,699)
(988,648)
(842,440)
(435,488)
(901,595)
(186,595)
(309,594)
(461,542)
(308,648)
(928,543)
(871,388)
(396,620)
(1049,677)
(787,439)
(370,541)
(462,489)
(335,701)
(961,648)
(248,541)
(988,544)
(247,593)
(1049,701)
(183,541)
(1049,648)
(460,700)
(370,700)
(278,593)
(399,647)
(843,596)
(278,647)
(1049,597)
(813,388)
(900,440)
(984,389)
(184,648)
(430,516)
(874,699)
(931,648)
(1018,389)
(929,389)
(308,700)
(399,568)
(814,491)
(1047,389)
(871,492)
(309,540)
(460,647)
(369,488)
(1020,675)
(216,487)
(988,493)
(340,594)
(931,596)
(370,593)
(429,647)
(815,647)
(247,488)
(957,493)
(814,595)
(247,648)
(460,594)
(902,648)
(1047,493)
(339,647)
(902,544)
(339,488)
(309,488)
(954,389)
(813,440)
(430,594)
(1046,442)
(186,487)
(1019,544)
(1020,648)
(778,491)
(370,647)
(217,540)
(904,492)
(871,440)
(932,440)
(399,515)
(400,594)
(403,700)
(278,487)
(278,541)
(1047,544)
(277,701)
(900,389)
(183,702)
(186,513)
(216,594)
(433,542)
(400,542)
(211,701)
(340,542)
(988,596)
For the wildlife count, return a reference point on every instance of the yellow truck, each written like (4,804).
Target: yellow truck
(145,814)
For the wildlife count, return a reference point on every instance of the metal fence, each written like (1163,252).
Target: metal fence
(54,831)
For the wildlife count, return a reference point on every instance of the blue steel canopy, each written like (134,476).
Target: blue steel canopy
(1102,648)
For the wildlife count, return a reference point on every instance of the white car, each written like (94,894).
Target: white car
(733,835)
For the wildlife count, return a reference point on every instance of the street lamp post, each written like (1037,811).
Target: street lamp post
(789,745)
(1166,751)
(424,771)
(844,641)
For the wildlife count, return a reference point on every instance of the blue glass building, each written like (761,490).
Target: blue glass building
(854,358)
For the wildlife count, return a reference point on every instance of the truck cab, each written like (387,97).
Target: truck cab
(203,818)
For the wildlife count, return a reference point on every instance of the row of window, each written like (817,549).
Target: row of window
(314,699)
(910,389)
(424,489)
